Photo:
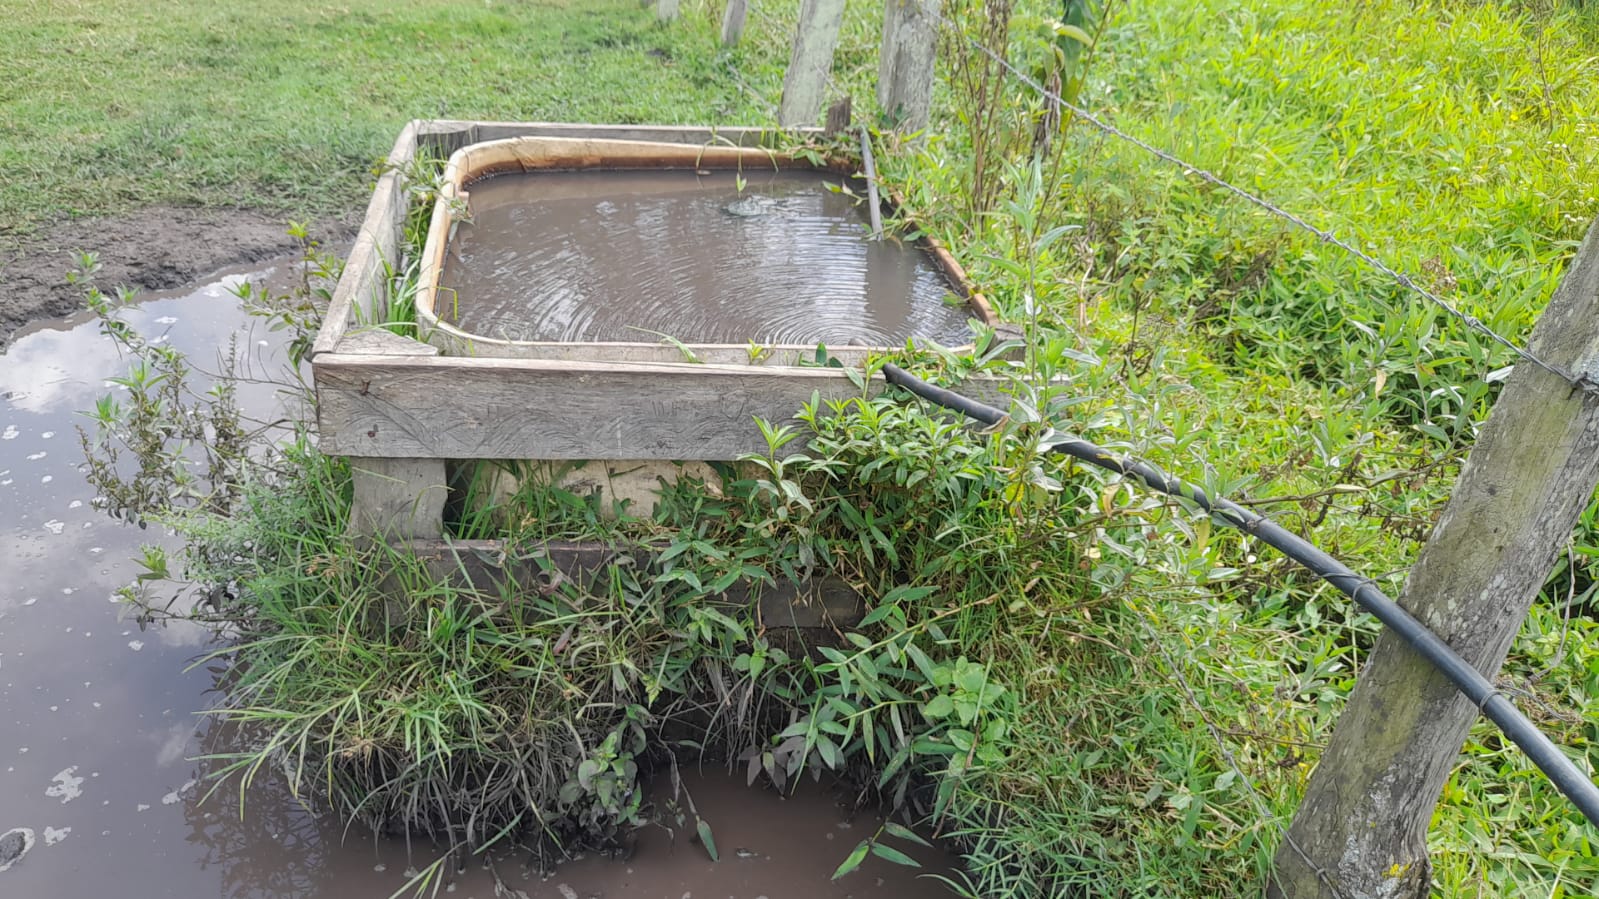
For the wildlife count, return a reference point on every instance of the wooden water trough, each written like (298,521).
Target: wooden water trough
(401,409)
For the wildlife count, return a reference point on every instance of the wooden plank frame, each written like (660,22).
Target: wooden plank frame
(381,397)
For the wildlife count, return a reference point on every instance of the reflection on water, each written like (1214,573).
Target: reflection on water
(613,256)
(101,724)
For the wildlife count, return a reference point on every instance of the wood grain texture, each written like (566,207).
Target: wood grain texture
(653,353)
(372,341)
(361,290)
(811,63)
(397,499)
(461,408)
(733,22)
(905,62)
(694,135)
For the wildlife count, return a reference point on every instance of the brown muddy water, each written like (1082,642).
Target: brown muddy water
(101,724)
(615,256)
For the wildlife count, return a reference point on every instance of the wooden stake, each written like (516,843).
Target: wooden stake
(809,66)
(905,62)
(1361,829)
(733,22)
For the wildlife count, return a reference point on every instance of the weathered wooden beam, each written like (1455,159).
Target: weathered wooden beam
(486,565)
(693,135)
(810,64)
(733,21)
(665,10)
(375,341)
(1361,828)
(487,408)
(905,62)
(362,288)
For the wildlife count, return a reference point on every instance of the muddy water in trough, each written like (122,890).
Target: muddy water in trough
(100,726)
(614,256)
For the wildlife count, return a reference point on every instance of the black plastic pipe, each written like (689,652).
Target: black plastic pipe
(1560,770)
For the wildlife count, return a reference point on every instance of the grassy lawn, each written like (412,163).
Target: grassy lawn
(283,106)
(1458,141)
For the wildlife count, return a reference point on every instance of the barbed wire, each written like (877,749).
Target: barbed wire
(1581,381)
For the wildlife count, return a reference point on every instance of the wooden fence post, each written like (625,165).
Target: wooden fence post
(733,21)
(666,10)
(815,38)
(905,62)
(1361,829)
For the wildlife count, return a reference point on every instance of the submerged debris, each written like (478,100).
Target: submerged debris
(749,207)
(14,844)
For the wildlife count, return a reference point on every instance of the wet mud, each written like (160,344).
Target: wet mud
(629,256)
(102,792)
(155,248)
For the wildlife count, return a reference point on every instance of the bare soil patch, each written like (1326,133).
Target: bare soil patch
(155,248)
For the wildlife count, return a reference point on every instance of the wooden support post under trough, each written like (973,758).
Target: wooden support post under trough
(733,22)
(811,63)
(1361,830)
(398,499)
(666,10)
(905,62)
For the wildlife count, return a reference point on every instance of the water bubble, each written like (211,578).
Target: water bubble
(55,525)
(53,836)
(34,457)
(135,645)
(75,504)
(166,320)
(47,479)
(10,433)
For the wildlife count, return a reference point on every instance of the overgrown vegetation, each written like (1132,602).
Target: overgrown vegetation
(1093,690)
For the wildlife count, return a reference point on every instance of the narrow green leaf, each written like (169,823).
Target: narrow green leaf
(905,833)
(704,829)
(894,855)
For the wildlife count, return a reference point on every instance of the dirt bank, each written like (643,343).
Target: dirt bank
(156,248)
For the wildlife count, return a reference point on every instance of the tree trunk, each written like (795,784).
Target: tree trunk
(1361,830)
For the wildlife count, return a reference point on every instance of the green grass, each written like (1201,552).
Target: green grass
(284,106)
(1458,141)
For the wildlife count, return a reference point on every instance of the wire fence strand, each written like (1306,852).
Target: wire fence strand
(1580,381)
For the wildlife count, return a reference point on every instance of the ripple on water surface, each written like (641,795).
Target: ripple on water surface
(614,256)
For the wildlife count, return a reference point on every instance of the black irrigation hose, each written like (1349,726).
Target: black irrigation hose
(1544,753)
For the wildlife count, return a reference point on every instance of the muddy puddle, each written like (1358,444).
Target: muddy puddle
(628,256)
(100,724)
